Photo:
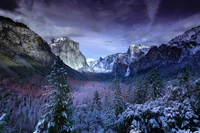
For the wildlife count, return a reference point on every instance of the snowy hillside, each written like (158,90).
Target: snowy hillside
(91,62)
(189,40)
(106,64)
(192,35)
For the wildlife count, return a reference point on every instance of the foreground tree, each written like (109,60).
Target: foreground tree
(96,121)
(96,105)
(184,86)
(57,117)
(154,84)
(118,104)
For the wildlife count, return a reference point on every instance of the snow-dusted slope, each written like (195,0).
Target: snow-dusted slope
(91,62)
(190,40)
(106,64)
(189,36)
(181,50)
(69,52)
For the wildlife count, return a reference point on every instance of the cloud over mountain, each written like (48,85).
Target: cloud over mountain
(109,25)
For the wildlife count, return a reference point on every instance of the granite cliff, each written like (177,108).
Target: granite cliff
(69,51)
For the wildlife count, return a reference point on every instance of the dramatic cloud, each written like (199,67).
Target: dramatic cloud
(39,23)
(10,5)
(161,33)
(152,7)
(170,10)
(104,27)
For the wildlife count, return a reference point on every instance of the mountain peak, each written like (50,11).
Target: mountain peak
(192,35)
(5,20)
(189,41)
(54,40)
(137,50)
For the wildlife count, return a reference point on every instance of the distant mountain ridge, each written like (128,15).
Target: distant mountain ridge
(23,53)
(183,50)
(107,63)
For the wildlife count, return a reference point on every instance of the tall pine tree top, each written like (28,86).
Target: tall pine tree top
(57,117)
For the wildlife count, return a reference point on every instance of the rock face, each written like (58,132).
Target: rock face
(22,51)
(183,50)
(69,52)
(17,39)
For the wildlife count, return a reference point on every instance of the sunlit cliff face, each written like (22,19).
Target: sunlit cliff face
(69,52)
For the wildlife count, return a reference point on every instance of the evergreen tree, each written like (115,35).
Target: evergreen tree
(96,122)
(118,100)
(184,86)
(149,87)
(141,92)
(80,118)
(96,101)
(154,84)
(185,76)
(57,117)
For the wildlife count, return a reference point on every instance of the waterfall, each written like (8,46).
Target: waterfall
(127,71)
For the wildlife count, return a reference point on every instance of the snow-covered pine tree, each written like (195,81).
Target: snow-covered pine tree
(185,76)
(96,102)
(81,118)
(141,92)
(184,86)
(96,122)
(154,84)
(57,117)
(118,101)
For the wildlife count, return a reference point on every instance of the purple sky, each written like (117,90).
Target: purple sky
(104,27)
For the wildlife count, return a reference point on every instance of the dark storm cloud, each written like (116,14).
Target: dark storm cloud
(47,2)
(10,5)
(13,5)
(127,13)
(173,10)
(132,13)
(112,25)
(28,13)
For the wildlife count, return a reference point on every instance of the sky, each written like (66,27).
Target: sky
(104,27)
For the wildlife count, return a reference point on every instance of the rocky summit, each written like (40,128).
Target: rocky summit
(69,51)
